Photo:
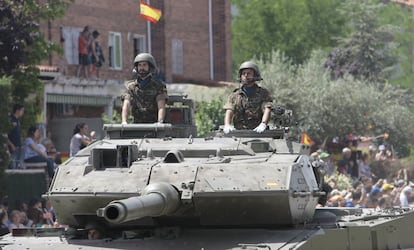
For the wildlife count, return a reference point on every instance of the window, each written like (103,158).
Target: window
(177,57)
(139,44)
(115,50)
(70,46)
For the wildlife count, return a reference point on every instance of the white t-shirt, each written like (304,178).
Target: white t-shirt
(76,143)
(404,196)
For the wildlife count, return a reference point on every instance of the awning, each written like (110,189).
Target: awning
(79,100)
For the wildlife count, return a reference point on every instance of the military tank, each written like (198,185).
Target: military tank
(158,186)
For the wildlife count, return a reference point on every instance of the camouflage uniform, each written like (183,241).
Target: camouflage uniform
(144,100)
(248,111)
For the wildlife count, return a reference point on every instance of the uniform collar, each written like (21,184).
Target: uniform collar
(248,91)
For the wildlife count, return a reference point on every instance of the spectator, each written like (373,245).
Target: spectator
(381,154)
(385,201)
(363,166)
(48,212)
(36,152)
(373,196)
(404,196)
(98,58)
(344,164)
(14,142)
(395,193)
(51,149)
(15,220)
(22,206)
(402,174)
(4,229)
(372,151)
(327,163)
(35,213)
(358,195)
(83,44)
(79,138)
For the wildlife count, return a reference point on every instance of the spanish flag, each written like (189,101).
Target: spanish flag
(306,139)
(149,13)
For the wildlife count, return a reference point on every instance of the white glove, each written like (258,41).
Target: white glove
(228,128)
(260,128)
(124,123)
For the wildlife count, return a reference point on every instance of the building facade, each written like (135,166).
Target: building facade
(191,43)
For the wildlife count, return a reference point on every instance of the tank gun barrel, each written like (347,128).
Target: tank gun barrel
(157,199)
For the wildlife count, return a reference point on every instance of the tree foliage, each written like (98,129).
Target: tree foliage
(292,27)
(402,17)
(367,52)
(209,116)
(326,108)
(22,43)
(23,46)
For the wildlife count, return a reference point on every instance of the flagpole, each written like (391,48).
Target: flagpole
(149,32)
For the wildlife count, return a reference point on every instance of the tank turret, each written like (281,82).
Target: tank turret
(145,175)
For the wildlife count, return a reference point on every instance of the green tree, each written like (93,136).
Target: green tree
(402,17)
(23,46)
(208,116)
(292,27)
(367,51)
(325,107)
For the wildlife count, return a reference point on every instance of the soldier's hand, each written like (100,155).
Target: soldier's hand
(228,128)
(262,127)
(124,123)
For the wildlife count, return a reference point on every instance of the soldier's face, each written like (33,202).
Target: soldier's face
(143,68)
(247,76)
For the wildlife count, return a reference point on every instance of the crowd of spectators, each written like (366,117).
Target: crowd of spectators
(36,213)
(351,182)
(91,57)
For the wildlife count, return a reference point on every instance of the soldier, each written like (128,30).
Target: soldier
(145,95)
(250,105)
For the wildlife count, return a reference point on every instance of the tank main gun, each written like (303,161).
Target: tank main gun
(157,199)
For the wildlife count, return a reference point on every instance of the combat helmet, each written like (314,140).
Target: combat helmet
(251,65)
(146,57)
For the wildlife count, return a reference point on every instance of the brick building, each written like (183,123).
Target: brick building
(191,43)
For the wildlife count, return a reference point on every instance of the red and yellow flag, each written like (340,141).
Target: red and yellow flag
(306,139)
(149,13)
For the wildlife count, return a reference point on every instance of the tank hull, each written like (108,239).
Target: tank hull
(375,230)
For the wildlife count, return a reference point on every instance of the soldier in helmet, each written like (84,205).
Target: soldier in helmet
(249,106)
(145,96)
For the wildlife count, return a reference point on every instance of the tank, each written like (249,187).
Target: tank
(158,186)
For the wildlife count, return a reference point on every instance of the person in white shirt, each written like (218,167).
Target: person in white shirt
(404,195)
(80,139)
